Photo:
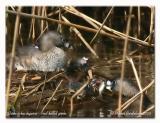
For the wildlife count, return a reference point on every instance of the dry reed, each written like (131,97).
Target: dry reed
(124,61)
(12,56)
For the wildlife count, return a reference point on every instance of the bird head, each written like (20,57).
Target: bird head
(107,85)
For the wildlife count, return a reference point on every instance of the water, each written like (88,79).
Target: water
(94,107)
(107,66)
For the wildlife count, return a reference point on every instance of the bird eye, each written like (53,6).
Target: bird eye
(109,82)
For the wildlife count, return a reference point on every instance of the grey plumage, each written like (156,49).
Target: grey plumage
(51,39)
(52,60)
(27,51)
(128,89)
(48,57)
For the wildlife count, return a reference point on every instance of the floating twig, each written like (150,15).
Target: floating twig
(52,96)
(42,83)
(147,110)
(128,102)
(42,92)
(76,93)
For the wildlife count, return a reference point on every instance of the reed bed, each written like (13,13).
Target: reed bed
(41,18)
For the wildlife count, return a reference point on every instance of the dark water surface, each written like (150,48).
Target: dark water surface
(94,107)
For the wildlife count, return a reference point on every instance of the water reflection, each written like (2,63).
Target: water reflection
(103,109)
